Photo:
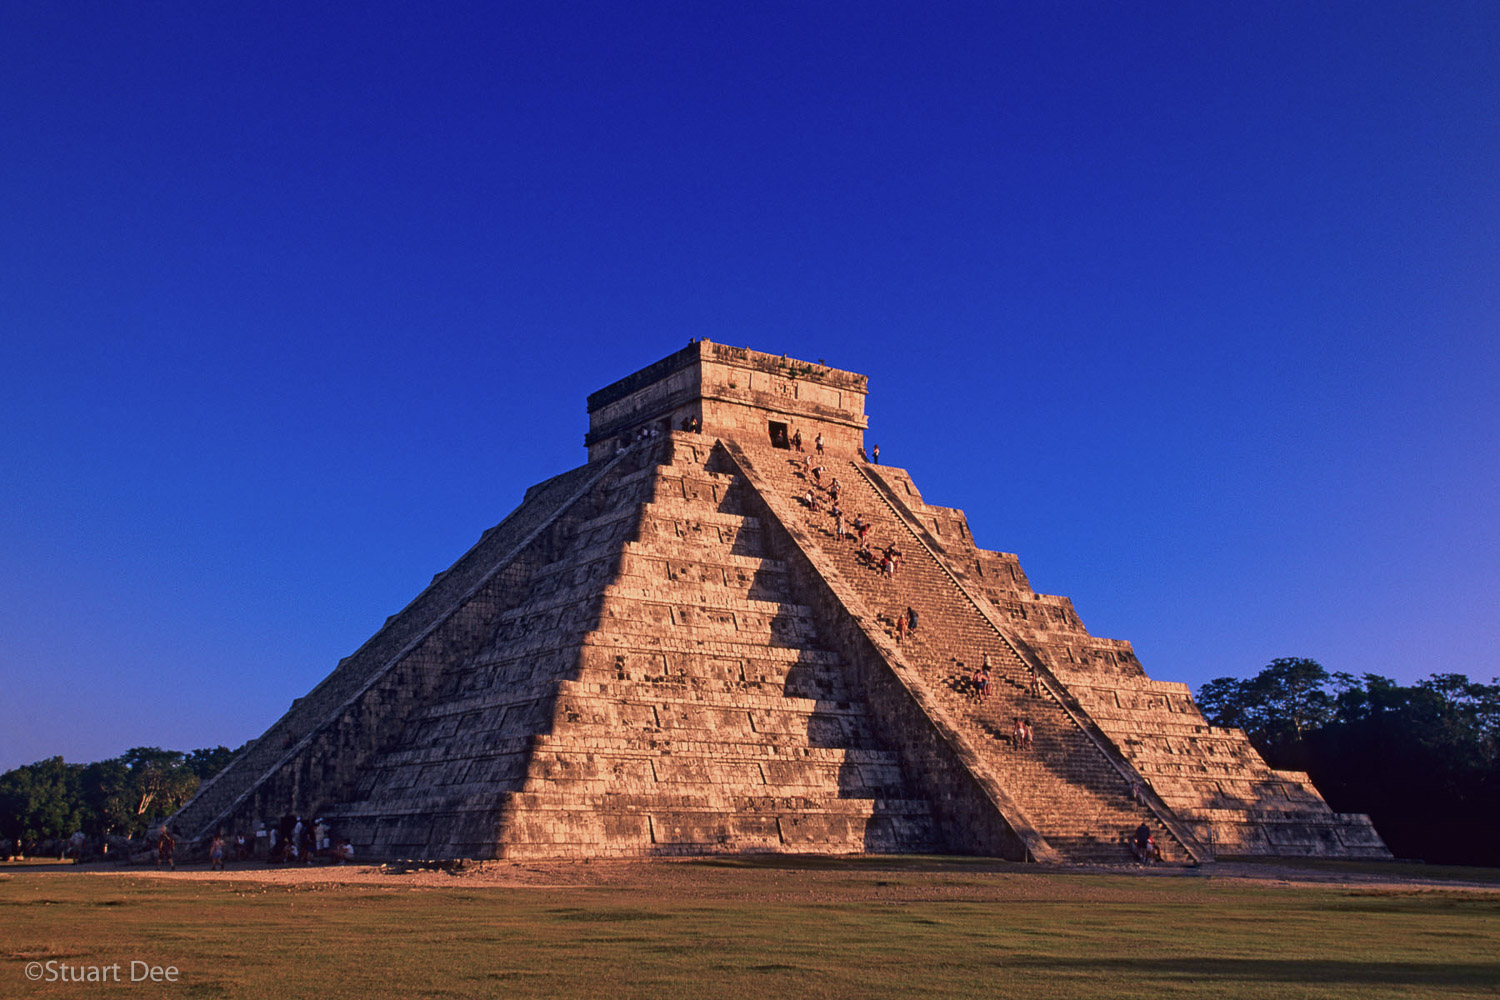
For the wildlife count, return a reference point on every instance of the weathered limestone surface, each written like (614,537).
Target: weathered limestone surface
(665,651)
(739,393)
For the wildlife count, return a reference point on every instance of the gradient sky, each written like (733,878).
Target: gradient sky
(1192,305)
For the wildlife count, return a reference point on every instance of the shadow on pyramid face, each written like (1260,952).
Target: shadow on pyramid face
(839,720)
(735,499)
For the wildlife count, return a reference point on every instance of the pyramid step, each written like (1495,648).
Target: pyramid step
(602,643)
(588,692)
(712,802)
(690,606)
(711,725)
(767,746)
(621,771)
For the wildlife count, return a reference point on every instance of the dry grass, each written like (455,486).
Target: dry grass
(765,929)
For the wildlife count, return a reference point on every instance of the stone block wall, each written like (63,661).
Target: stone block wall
(737,393)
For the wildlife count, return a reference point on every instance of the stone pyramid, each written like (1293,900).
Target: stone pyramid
(667,651)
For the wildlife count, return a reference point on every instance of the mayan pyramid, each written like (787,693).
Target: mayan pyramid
(667,651)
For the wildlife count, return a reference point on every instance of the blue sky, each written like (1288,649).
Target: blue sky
(1194,306)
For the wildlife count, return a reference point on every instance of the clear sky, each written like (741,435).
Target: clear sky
(1192,305)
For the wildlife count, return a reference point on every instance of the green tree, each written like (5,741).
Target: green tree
(1277,707)
(1420,759)
(209,761)
(108,802)
(122,795)
(158,783)
(40,800)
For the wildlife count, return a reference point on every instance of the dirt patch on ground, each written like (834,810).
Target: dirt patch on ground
(812,878)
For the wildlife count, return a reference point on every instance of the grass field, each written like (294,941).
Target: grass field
(767,929)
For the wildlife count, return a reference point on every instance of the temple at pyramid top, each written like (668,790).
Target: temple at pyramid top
(737,394)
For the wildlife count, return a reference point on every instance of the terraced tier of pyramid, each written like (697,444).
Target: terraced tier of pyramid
(667,651)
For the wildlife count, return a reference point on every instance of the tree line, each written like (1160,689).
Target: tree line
(120,797)
(1421,760)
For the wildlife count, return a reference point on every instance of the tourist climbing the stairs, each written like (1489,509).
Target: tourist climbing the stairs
(982,677)
(1143,845)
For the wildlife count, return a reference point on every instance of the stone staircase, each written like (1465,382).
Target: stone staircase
(1067,787)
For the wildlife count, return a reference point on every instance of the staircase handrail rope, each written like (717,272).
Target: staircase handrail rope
(503,562)
(1044,675)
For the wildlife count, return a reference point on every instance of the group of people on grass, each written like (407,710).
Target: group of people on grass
(291,841)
